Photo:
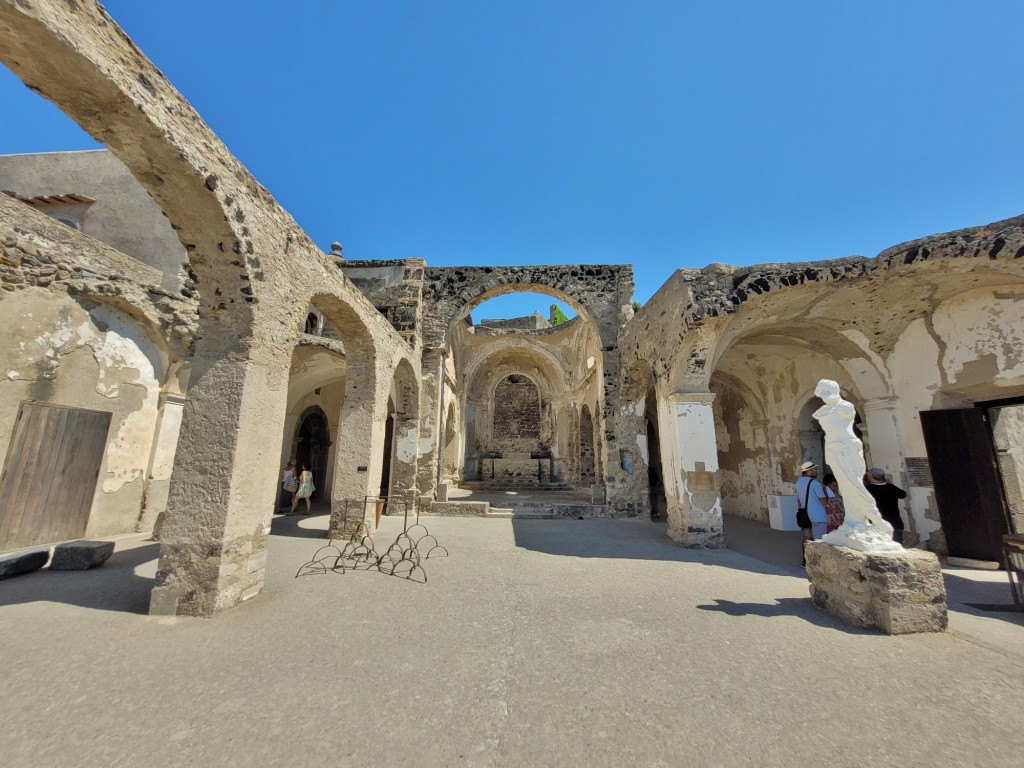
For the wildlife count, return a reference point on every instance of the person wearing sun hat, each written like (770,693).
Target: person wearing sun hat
(810,492)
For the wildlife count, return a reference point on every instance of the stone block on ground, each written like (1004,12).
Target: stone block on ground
(81,555)
(19,563)
(896,592)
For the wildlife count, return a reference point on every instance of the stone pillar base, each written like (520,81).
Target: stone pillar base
(896,592)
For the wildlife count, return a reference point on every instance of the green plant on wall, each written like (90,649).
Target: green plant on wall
(558,317)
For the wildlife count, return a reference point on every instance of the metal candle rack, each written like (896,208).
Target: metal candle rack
(355,546)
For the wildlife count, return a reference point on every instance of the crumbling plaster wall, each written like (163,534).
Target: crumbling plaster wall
(875,320)
(968,349)
(760,392)
(89,327)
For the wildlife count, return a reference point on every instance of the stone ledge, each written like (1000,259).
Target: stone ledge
(81,555)
(19,563)
(459,508)
(896,592)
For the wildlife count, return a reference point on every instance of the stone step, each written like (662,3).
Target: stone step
(484,485)
(505,514)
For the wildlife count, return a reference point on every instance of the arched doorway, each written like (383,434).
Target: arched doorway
(389,443)
(312,444)
(655,484)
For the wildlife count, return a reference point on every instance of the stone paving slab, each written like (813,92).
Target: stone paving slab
(537,643)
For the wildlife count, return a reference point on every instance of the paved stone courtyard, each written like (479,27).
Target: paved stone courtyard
(536,643)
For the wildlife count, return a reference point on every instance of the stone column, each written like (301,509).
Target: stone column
(403,460)
(359,459)
(689,454)
(161,461)
(214,534)
(430,426)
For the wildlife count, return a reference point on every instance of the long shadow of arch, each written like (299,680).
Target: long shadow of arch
(114,586)
(634,538)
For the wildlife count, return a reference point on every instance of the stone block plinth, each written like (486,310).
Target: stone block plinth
(896,592)
(81,555)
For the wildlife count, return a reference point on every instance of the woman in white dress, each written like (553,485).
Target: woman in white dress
(306,489)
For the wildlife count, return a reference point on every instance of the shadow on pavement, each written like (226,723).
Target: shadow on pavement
(799,607)
(114,586)
(291,526)
(989,599)
(630,538)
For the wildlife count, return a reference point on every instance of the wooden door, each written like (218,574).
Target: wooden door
(968,488)
(50,474)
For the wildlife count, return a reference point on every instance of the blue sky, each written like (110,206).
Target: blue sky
(661,134)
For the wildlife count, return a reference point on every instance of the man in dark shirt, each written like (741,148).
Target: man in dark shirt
(887,497)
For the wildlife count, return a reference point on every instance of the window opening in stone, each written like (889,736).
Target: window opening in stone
(521,311)
(312,323)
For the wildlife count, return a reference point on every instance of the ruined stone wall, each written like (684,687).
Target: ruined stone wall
(395,288)
(534,322)
(123,215)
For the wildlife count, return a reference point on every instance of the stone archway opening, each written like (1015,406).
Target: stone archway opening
(520,385)
(311,447)
(655,470)
(763,383)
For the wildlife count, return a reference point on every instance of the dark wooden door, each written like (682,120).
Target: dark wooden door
(50,474)
(968,488)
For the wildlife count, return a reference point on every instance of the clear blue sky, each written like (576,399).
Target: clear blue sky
(662,134)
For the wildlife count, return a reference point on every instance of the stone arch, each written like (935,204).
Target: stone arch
(763,383)
(516,357)
(601,295)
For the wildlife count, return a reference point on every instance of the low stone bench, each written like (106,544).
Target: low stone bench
(81,555)
(896,592)
(19,563)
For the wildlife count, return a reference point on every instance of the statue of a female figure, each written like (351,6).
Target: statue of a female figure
(864,529)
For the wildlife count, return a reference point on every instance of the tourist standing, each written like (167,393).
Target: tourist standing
(289,484)
(887,497)
(834,503)
(811,495)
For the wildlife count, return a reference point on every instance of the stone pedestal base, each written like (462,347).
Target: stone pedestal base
(897,592)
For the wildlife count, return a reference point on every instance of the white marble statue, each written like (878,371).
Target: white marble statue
(864,529)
